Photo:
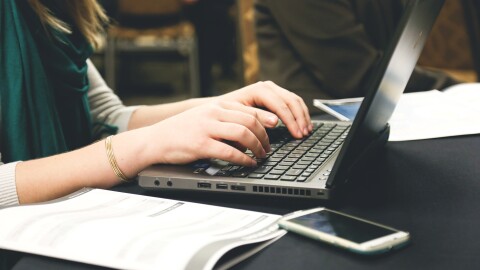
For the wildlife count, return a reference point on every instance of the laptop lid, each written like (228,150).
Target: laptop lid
(384,89)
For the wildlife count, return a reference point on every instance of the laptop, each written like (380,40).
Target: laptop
(318,165)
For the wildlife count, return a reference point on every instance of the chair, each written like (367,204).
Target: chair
(248,44)
(146,26)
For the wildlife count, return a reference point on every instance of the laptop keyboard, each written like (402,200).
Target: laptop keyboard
(291,159)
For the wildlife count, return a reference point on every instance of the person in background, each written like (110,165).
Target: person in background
(56,111)
(327,49)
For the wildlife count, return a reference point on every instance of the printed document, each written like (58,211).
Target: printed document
(129,231)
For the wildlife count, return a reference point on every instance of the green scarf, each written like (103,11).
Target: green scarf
(43,86)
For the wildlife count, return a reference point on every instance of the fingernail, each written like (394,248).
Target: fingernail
(310,127)
(299,133)
(272,120)
(305,131)
(253,163)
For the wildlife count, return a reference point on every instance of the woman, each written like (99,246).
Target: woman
(55,105)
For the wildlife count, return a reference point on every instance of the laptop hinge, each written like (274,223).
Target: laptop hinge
(364,158)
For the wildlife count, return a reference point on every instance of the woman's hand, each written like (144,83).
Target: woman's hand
(222,127)
(215,130)
(289,107)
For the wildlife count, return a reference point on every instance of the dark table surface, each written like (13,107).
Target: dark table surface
(430,188)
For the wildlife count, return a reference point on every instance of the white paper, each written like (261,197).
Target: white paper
(128,231)
(435,114)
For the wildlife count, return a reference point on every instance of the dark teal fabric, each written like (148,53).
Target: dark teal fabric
(43,85)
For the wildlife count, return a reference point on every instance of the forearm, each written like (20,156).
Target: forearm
(148,115)
(56,176)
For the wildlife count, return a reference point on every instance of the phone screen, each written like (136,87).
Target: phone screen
(342,226)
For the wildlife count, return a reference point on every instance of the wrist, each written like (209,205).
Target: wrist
(113,161)
(131,153)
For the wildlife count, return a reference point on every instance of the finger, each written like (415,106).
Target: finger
(236,145)
(247,120)
(223,151)
(273,101)
(240,134)
(306,113)
(304,107)
(307,116)
(266,118)
(296,105)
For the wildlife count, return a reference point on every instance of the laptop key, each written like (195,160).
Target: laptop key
(256,175)
(313,166)
(305,174)
(298,166)
(288,178)
(282,167)
(222,173)
(290,159)
(240,174)
(271,177)
(286,163)
(263,169)
(302,179)
(269,163)
(274,159)
(294,172)
(277,172)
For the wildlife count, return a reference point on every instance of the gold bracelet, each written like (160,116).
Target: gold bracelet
(112,160)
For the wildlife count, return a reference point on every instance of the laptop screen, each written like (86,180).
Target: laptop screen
(370,126)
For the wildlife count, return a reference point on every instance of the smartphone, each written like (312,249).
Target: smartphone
(345,231)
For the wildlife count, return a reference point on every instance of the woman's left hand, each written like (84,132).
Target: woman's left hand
(281,103)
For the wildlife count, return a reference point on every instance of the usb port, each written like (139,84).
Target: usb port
(222,186)
(241,188)
(204,185)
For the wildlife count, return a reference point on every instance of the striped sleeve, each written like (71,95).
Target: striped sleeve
(8,188)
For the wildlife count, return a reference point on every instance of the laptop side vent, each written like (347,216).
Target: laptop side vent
(279,190)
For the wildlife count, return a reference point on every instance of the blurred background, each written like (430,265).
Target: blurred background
(160,51)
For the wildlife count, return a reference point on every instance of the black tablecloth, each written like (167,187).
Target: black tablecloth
(430,188)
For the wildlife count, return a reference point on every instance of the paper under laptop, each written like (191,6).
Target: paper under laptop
(327,164)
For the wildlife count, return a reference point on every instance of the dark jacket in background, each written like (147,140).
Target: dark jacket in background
(326,48)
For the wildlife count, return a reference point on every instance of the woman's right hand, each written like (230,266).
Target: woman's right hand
(214,130)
